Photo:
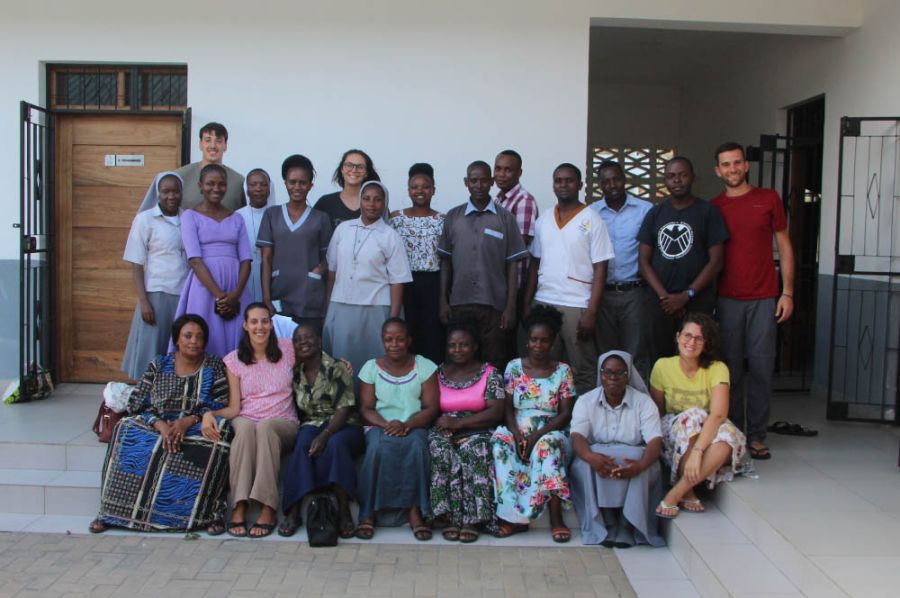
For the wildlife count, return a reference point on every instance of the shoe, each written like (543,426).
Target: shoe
(561,535)
(693,505)
(760,453)
(507,529)
(289,526)
(267,529)
(237,525)
(467,535)
(665,511)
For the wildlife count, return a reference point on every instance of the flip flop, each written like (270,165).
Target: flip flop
(365,531)
(346,529)
(507,529)
(791,429)
(422,533)
(216,528)
(662,507)
(97,526)
(760,454)
(467,536)
(267,529)
(693,505)
(561,535)
(289,526)
(450,533)
(242,525)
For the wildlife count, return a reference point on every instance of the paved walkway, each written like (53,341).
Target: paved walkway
(48,565)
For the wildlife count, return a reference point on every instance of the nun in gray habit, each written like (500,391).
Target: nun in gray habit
(615,477)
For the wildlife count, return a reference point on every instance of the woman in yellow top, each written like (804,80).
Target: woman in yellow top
(691,391)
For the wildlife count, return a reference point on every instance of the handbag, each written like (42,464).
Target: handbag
(322,522)
(106,422)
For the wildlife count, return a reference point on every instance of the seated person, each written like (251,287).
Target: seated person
(398,400)
(162,435)
(531,450)
(691,392)
(616,437)
(330,437)
(260,373)
(462,468)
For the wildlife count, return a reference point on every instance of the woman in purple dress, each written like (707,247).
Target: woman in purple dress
(215,241)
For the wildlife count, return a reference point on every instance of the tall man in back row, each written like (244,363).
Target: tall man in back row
(750,303)
(680,256)
(213,145)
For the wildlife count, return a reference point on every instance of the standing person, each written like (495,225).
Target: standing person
(570,252)
(750,303)
(420,228)
(213,145)
(368,267)
(261,196)
(620,319)
(218,252)
(293,238)
(532,449)
(518,201)
(480,247)
(354,169)
(261,410)
(159,268)
(680,256)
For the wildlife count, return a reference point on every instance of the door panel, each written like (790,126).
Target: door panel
(96,204)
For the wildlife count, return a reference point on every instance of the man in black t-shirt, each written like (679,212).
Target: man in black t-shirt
(680,256)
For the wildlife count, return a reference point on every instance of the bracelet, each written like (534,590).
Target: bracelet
(786,295)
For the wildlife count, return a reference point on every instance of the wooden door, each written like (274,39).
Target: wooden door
(96,201)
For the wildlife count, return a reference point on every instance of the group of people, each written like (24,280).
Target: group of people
(379,347)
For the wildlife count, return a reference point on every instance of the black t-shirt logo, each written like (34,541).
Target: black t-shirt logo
(675,240)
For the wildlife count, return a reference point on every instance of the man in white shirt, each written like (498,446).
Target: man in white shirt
(570,252)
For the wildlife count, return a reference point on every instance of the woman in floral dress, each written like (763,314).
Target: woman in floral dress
(462,469)
(531,451)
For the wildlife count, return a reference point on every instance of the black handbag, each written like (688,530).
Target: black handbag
(322,522)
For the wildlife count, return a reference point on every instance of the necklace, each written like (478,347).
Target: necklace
(357,244)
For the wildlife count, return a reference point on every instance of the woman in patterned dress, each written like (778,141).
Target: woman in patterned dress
(420,227)
(160,473)
(462,469)
(531,450)
(691,391)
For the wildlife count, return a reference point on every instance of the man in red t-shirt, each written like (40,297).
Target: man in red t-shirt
(750,303)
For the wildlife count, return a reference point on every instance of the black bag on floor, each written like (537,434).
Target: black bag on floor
(322,522)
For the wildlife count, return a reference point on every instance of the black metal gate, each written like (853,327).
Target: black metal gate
(36,367)
(865,323)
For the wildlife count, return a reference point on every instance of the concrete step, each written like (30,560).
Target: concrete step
(49,492)
(50,456)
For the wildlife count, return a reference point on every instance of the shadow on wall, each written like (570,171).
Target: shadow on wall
(9,318)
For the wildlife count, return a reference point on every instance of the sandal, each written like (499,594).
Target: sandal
(451,533)
(665,511)
(760,453)
(561,535)
(791,429)
(216,528)
(507,529)
(467,535)
(233,526)
(365,530)
(97,526)
(346,529)
(289,526)
(267,529)
(693,505)
(422,533)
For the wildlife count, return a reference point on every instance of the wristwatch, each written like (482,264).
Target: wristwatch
(690,292)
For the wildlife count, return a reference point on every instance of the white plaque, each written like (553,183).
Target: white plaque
(129,159)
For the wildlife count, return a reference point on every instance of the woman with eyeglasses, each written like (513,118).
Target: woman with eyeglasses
(354,169)
(615,476)
(691,392)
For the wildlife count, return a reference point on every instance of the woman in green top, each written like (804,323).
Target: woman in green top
(399,399)
(330,437)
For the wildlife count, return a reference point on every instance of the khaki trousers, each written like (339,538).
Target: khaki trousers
(256,458)
(580,355)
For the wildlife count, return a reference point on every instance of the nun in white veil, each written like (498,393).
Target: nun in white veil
(615,476)
(261,195)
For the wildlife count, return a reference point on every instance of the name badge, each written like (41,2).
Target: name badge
(314,276)
(493,233)
(275,273)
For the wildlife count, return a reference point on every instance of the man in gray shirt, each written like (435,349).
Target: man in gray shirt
(479,247)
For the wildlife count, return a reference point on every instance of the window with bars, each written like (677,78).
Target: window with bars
(643,166)
(117,88)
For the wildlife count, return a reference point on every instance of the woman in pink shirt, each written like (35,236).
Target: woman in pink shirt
(260,373)
(462,469)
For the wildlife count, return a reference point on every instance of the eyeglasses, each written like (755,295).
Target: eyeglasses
(351,166)
(614,374)
(691,338)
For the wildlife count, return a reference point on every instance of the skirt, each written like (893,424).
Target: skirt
(595,497)
(146,341)
(353,332)
(462,479)
(144,487)
(336,466)
(679,428)
(395,474)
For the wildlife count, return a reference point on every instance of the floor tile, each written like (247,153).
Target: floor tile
(644,562)
(16,522)
(864,576)
(668,588)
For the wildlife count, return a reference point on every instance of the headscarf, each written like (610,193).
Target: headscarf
(251,222)
(387,203)
(151,198)
(635,380)
(272,199)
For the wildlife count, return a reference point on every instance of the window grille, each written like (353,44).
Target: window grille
(643,166)
(117,88)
